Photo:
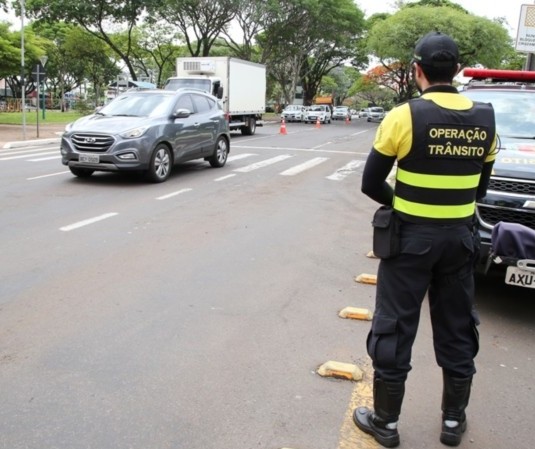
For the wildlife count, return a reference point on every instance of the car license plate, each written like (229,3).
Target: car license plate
(89,158)
(520,278)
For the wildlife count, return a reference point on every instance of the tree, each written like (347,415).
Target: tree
(92,60)
(34,47)
(101,18)
(9,51)
(392,40)
(305,39)
(200,21)
(251,20)
(154,48)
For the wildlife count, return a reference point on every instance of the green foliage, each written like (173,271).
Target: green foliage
(200,21)
(83,107)
(52,116)
(392,40)
(9,51)
(95,17)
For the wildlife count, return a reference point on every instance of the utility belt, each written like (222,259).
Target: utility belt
(387,231)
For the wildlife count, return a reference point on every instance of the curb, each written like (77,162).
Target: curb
(31,143)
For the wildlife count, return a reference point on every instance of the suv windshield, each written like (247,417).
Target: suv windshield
(139,105)
(514,110)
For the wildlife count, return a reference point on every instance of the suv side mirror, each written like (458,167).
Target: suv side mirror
(182,113)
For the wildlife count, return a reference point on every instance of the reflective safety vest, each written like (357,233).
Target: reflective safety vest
(438,178)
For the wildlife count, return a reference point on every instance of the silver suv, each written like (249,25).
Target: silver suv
(148,131)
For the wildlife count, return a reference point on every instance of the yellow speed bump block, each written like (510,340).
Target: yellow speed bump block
(356,313)
(372,255)
(365,278)
(340,370)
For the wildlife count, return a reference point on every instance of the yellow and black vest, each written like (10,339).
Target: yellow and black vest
(437,180)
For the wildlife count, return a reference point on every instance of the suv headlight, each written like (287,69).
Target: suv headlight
(133,133)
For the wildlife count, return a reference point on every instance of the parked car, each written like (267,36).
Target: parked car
(341,113)
(148,131)
(510,197)
(363,113)
(317,112)
(293,113)
(375,114)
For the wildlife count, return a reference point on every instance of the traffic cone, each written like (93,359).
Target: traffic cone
(318,125)
(347,120)
(283,127)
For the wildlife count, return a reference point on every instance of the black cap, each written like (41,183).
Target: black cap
(436,50)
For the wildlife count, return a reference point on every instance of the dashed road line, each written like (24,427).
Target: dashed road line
(170,195)
(89,221)
(47,176)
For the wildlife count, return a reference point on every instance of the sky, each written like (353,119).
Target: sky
(490,9)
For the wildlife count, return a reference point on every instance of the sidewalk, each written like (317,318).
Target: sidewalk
(12,135)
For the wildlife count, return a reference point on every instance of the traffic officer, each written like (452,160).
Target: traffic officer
(444,146)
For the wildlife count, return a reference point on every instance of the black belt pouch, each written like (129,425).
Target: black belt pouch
(385,233)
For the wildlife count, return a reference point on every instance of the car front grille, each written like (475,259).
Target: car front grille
(493,215)
(92,142)
(519,186)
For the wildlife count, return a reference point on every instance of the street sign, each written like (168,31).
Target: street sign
(38,69)
(525,37)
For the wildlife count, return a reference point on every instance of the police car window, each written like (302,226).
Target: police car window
(514,110)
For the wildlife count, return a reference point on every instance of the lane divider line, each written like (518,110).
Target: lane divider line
(87,222)
(170,195)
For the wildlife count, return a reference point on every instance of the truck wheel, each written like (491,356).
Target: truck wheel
(81,172)
(219,158)
(160,164)
(250,128)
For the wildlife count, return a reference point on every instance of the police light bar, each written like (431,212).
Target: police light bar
(499,75)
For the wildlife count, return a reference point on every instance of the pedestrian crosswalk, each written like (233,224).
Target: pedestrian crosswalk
(291,164)
(300,167)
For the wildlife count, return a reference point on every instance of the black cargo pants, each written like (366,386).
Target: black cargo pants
(433,259)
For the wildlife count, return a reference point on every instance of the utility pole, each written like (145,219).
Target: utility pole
(23,83)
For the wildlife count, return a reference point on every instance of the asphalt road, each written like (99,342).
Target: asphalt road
(194,314)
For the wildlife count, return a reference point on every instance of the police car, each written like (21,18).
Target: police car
(507,213)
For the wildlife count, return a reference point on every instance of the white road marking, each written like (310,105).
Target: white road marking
(347,169)
(239,156)
(225,177)
(304,166)
(169,195)
(263,163)
(44,159)
(25,155)
(46,176)
(12,151)
(87,222)
(312,150)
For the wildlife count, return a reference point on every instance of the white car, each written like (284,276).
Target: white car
(293,113)
(317,112)
(341,113)
(375,114)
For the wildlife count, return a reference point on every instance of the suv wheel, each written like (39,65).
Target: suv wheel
(219,158)
(160,164)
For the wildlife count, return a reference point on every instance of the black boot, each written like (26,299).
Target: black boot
(455,396)
(381,423)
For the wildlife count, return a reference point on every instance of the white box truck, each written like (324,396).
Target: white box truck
(240,85)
